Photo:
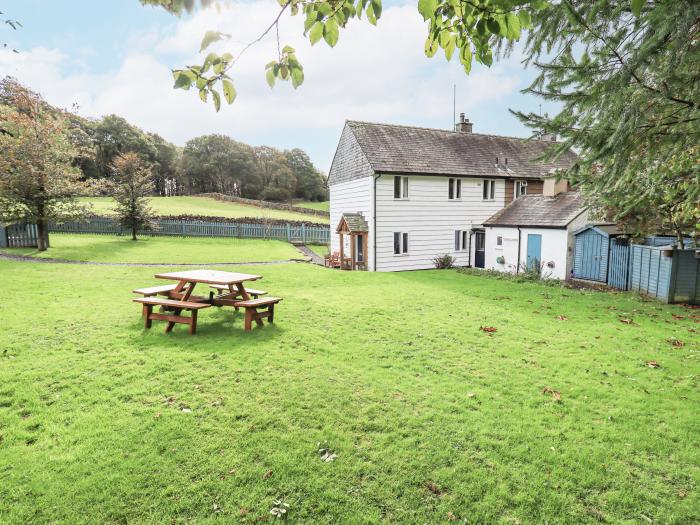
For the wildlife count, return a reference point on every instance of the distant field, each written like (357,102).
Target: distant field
(323,206)
(204,206)
(110,248)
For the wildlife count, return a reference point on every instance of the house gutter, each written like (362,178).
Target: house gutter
(374,219)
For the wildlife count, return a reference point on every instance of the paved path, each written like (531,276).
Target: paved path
(26,258)
(315,258)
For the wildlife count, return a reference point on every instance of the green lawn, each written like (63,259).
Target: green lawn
(205,206)
(111,248)
(432,419)
(321,249)
(323,206)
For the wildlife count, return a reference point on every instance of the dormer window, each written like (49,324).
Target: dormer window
(520,188)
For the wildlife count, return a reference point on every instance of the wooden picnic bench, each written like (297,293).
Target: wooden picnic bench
(176,306)
(253,313)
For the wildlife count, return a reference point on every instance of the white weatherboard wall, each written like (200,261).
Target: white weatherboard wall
(555,244)
(429,218)
(353,196)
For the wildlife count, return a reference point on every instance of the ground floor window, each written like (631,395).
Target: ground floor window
(400,243)
(461,240)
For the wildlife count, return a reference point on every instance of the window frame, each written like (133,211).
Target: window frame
(400,243)
(461,240)
(488,190)
(518,188)
(454,189)
(400,184)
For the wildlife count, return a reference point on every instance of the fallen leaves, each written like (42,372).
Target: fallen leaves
(653,364)
(267,474)
(556,395)
(432,487)
(488,329)
(625,320)
(279,509)
(562,318)
(327,454)
(676,342)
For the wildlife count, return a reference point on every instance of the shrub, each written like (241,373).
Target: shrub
(442,262)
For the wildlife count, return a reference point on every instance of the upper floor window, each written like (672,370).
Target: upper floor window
(520,188)
(454,189)
(400,243)
(400,187)
(489,190)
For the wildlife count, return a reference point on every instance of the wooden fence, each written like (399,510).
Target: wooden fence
(184,228)
(19,236)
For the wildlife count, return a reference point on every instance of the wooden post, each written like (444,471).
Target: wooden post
(342,250)
(353,241)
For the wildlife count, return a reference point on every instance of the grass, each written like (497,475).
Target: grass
(204,206)
(109,248)
(432,419)
(320,249)
(323,206)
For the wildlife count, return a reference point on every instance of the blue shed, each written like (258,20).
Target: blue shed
(669,274)
(591,251)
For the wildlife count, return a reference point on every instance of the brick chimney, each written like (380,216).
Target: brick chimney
(463,125)
(552,187)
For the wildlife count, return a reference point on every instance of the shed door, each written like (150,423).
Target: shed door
(534,250)
(591,247)
(479,249)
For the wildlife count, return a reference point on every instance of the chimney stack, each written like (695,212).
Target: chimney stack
(463,125)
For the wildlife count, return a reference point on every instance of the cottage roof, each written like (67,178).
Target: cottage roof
(538,210)
(405,149)
(354,222)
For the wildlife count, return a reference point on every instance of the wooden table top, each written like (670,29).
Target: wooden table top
(208,276)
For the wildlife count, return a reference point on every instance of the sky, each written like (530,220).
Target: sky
(115,56)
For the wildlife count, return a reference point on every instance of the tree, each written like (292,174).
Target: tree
(309,183)
(165,163)
(114,135)
(217,163)
(133,185)
(38,181)
(277,178)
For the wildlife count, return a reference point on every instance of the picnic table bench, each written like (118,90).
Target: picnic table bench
(179,297)
(172,318)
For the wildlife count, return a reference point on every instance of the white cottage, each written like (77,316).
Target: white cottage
(536,231)
(423,192)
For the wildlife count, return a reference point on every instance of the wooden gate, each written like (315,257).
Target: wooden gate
(19,236)
(619,263)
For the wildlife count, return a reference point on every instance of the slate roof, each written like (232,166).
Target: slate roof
(355,221)
(404,149)
(538,210)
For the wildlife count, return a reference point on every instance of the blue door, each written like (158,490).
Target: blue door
(534,251)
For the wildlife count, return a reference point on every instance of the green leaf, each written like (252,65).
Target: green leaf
(210,37)
(316,32)
(182,80)
(493,26)
(270,77)
(450,48)
(524,17)
(427,8)
(371,17)
(211,58)
(465,57)
(431,47)
(203,95)
(229,90)
(297,77)
(637,7)
(330,32)
(512,26)
(217,99)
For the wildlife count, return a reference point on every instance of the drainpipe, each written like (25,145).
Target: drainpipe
(517,268)
(374,220)
(469,250)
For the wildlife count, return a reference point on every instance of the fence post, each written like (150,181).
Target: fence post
(289,232)
(182,226)
(303,233)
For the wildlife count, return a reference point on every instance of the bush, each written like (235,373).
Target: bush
(442,262)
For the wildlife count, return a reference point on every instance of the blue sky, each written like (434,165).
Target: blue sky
(114,56)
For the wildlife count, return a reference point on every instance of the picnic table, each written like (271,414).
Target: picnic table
(230,292)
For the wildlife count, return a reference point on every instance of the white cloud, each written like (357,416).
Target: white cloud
(374,73)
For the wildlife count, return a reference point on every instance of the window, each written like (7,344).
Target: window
(520,188)
(401,187)
(454,189)
(400,243)
(489,190)
(499,241)
(461,240)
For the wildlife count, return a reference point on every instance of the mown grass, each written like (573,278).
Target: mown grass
(169,250)
(323,206)
(320,249)
(432,419)
(182,205)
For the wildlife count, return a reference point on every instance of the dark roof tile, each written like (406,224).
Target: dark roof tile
(538,210)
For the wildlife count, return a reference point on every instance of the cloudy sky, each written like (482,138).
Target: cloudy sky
(115,56)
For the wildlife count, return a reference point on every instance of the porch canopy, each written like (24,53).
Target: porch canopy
(354,225)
